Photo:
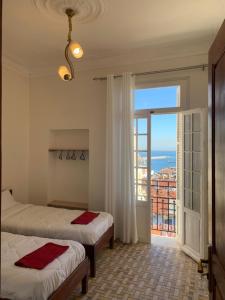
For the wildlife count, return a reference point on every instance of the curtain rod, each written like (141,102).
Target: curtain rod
(203,66)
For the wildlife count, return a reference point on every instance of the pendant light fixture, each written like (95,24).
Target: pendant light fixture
(75,48)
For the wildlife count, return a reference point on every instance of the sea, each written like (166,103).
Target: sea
(161,160)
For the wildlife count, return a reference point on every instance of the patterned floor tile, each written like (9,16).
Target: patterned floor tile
(143,272)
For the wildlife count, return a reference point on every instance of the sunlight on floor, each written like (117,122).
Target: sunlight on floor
(164,241)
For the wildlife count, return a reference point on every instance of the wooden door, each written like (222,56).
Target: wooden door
(0,106)
(217,165)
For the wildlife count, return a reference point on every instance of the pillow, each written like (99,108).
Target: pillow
(7,200)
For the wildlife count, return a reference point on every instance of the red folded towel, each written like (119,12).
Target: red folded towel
(41,257)
(85,218)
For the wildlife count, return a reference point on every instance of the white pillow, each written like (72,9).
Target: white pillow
(7,200)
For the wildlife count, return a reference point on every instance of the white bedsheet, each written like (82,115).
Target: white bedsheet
(53,222)
(26,284)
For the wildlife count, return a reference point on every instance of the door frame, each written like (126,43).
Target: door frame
(216,52)
(146,207)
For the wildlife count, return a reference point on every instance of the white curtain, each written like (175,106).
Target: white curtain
(119,197)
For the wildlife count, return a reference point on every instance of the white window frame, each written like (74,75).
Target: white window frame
(145,113)
(182,96)
(148,167)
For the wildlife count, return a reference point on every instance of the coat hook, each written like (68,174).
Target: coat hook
(73,157)
(61,155)
(82,157)
(68,155)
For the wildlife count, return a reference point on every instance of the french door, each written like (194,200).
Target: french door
(192,183)
(142,175)
(191,200)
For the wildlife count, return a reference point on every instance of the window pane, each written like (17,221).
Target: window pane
(142,192)
(187,123)
(196,182)
(160,97)
(196,141)
(187,199)
(142,126)
(196,161)
(142,159)
(142,176)
(196,122)
(142,142)
(187,180)
(187,142)
(187,161)
(196,202)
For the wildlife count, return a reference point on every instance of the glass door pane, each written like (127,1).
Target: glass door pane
(141,158)
(192,161)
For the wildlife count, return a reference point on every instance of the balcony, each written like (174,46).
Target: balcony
(163,195)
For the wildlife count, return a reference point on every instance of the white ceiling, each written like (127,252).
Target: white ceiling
(127,26)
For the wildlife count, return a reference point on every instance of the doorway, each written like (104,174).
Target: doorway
(163,177)
(155,157)
(170,170)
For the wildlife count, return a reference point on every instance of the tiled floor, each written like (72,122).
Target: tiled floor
(145,272)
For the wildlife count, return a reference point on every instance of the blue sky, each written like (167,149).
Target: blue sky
(163,126)
(163,132)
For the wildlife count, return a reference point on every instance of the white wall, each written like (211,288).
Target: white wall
(79,104)
(68,179)
(15,131)
(54,104)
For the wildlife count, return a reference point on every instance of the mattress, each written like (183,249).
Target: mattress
(53,222)
(26,284)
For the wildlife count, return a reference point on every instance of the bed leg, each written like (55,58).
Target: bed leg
(111,242)
(93,262)
(93,268)
(84,285)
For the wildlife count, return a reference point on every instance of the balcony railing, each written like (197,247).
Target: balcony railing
(163,195)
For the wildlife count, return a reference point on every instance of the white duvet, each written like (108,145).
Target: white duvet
(30,284)
(53,222)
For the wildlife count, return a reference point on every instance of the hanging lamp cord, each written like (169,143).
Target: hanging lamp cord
(70,28)
(70,13)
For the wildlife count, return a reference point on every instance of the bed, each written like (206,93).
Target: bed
(56,281)
(55,223)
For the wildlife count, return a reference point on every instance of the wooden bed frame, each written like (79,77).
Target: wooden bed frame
(80,274)
(92,250)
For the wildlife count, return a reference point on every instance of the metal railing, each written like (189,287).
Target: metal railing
(163,195)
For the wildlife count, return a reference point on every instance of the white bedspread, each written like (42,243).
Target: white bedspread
(26,284)
(53,222)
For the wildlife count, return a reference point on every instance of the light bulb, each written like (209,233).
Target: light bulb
(76,50)
(64,73)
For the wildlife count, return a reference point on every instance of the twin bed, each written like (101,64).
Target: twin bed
(53,281)
(55,223)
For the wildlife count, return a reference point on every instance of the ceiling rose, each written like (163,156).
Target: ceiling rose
(86,10)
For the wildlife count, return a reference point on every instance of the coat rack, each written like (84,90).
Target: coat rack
(71,154)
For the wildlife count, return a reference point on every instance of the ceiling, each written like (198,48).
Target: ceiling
(35,40)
